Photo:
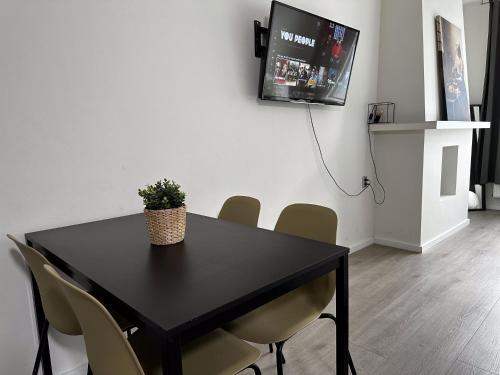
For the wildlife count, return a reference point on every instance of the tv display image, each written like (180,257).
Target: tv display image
(308,58)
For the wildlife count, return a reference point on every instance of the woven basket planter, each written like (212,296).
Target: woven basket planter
(166,227)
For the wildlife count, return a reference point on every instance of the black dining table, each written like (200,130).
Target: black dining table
(221,271)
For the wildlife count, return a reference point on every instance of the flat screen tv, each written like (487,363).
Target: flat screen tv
(307,58)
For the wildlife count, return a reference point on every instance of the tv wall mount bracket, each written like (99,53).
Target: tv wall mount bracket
(260,34)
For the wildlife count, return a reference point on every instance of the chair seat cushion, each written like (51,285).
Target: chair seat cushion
(216,353)
(277,320)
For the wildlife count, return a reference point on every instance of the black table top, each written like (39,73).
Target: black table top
(218,265)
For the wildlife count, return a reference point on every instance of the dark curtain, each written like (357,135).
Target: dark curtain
(487,163)
(474,166)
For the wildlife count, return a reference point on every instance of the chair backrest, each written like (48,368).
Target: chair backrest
(55,305)
(241,209)
(315,223)
(108,350)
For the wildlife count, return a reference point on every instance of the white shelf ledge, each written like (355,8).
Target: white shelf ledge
(429,125)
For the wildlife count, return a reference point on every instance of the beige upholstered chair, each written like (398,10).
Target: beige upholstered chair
(241,209)
(280,319)
(58,312)
(110,352)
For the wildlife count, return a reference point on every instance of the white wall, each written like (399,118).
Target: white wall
(401,72)
(452,10)
(442,215)
(476,18)
(408,69)
(400,165)
(99,98)
(416,215)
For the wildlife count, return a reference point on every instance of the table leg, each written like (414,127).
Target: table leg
(171,353)
(342,316)
(40,321)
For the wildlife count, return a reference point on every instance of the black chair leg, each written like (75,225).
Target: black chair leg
(282,355)
(351,363)
(41,347)
(279,357)
(255,369)
(271,348)
(328,316)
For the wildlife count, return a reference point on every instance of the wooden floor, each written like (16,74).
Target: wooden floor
(432,313)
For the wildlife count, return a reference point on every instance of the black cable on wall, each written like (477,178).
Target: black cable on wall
(350,195)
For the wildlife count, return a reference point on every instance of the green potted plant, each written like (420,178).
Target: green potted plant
(165,212)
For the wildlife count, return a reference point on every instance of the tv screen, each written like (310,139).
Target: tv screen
(309,58)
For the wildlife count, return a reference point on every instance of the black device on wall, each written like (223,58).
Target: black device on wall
(306,58)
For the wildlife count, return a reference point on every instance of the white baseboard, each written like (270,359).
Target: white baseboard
(414,248)
(419,248)
(427,245)
(361,245)
(80,370)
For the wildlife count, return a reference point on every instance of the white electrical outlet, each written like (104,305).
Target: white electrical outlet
(365,182)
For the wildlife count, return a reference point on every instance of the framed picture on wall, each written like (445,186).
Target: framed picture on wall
(455,96)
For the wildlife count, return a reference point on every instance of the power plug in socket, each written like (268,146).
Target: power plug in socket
(365,182)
